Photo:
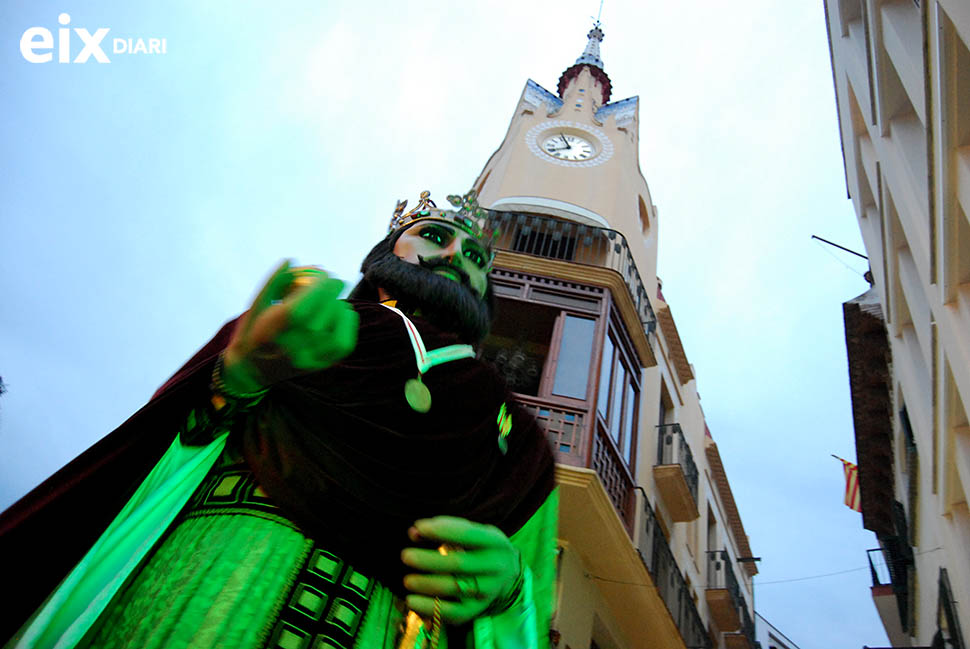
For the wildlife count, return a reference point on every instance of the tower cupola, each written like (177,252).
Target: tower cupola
(589,59)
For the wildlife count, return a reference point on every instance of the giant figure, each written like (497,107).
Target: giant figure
(343,474)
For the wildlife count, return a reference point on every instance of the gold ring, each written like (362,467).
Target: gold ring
(473,593)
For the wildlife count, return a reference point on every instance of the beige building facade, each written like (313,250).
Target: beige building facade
(902,79)
(653,553)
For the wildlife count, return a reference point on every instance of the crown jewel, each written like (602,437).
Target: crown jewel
(470,216)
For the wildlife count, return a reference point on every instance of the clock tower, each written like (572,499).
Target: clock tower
(650,538)
(573,155)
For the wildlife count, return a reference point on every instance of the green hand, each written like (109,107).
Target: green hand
(295,325)
(479,566)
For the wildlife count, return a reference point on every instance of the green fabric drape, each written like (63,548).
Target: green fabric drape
(81,599)
(214,581)
(78,601)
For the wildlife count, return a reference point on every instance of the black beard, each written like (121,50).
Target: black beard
(449,305)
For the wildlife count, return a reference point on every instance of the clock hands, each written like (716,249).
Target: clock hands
(561,148)
(575,147)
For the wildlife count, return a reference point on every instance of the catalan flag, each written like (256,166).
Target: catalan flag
(852,498)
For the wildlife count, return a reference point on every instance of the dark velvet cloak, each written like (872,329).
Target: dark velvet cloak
(340,451)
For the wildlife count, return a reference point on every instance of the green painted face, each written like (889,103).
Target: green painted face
(444,248)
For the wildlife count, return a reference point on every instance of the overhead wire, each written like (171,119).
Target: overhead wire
(840,572)
(761,583)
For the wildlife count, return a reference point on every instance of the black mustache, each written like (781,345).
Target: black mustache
(434,263)
(448,304)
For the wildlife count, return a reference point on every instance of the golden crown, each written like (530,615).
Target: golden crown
(470,216)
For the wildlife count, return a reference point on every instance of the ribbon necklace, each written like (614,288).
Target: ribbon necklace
(415,391)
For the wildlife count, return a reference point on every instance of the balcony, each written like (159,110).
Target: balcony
(656,554)
(676,474)
(723,594)
(591,529)
(892,566)
(889,593)
(569,434)
(743,639)
(555,239)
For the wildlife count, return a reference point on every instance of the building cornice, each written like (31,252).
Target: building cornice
(730,507)
(677,353)
(868,351)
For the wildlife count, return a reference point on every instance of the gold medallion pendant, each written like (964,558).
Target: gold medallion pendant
(417,394)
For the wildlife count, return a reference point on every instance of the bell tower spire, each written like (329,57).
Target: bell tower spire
(591,55)
(589,60)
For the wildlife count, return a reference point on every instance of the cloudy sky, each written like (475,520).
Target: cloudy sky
(142,201)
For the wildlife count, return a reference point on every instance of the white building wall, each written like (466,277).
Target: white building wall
(902,79)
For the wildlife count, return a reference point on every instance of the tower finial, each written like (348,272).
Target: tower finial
(589,60)
(591,55)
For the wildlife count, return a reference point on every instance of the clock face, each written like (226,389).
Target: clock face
(568,146)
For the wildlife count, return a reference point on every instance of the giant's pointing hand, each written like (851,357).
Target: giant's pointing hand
(295,325)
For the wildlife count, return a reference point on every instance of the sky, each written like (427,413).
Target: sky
(143,201)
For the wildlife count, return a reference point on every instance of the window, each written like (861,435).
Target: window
(667,414)
(644,216)
(947,622)
(629,417)
(576,348)
(711,529)
(618,395)
(543,337)
(606,363)
(571,363)
(519,341)
(693,540)
(619,381)
(912,473)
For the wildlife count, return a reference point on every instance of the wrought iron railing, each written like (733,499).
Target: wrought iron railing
(656,555)
(672,448)
(898,555)
(545,236)
(890,565)
(720,574)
